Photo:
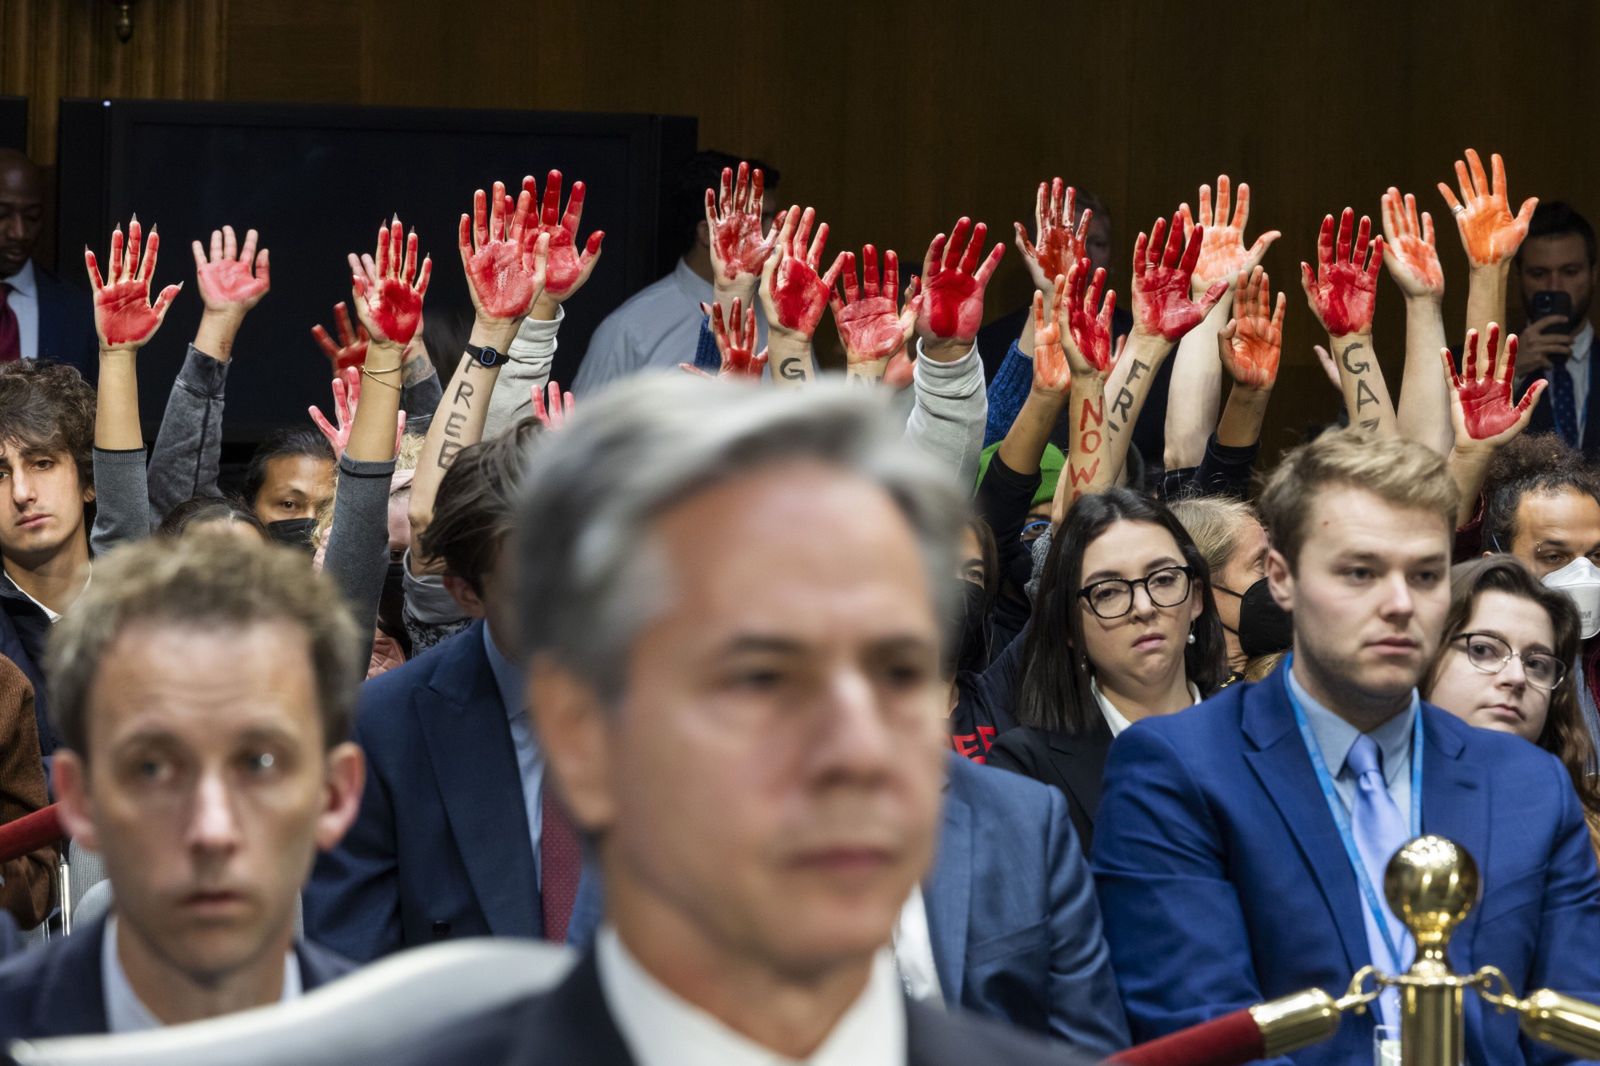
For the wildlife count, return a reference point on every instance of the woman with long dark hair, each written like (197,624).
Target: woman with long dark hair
(1506,663)
(1123,628)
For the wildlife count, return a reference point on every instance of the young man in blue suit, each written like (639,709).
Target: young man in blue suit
(459,834)
(203,697)
(1245,839)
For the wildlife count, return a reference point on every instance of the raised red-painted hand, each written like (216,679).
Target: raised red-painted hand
(124,317)
(734,218)
(346,399)
(567,270)
(554,414)
(1489,232)
(1163,266)
(1251,343)
(1409,249)
(392,297)
(1483,396)
(503,279)
(232,277)
(953,283)
(1343,292)
(1089,320)
(870,324)
(1062,232)
(799,295)
(351,349)
(736,338)
(1051,373)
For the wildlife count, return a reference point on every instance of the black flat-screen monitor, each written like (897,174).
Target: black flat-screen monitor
(316,181)
(14,122)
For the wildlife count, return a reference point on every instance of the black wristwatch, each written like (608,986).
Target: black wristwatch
(487,356)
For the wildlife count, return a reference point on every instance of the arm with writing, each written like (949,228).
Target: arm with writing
(124,320)
(1490,235)
(794,295)
(1093,459)
(1196,374)
(1342,293)
(1412,257)
(1482,414)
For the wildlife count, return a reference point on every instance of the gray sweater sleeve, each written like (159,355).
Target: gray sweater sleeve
(122,499)
(532,352)
(358,541)
(949,410)
(188,447)
(420,401)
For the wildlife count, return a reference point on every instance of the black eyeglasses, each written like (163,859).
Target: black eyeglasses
(1489,654)
(1113,597)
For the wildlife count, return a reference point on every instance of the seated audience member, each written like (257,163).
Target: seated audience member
(46,472)
(658,327)
(26,883)
(41,317)
(1234,545)
(1123,628)
(289,479)
(1504,663)
(784,689)
(458,833)
(1557,258)
(203,697)
(1224,857)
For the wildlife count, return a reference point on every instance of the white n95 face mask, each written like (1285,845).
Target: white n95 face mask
(1580,580)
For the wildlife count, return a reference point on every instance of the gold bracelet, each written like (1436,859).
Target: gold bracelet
(373,374)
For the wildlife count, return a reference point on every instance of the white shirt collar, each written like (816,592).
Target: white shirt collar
(1115,719)
(52,616)
(693,285)
(23,283)
(662,1029)
(1582,343)
(126,1012)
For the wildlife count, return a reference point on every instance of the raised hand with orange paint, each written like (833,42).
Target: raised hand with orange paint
(1223,255)
(1410,250)
(1411,254)
(1252,342)
(1490,233)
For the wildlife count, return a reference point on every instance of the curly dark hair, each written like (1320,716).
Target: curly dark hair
(1533,463)
(49,407)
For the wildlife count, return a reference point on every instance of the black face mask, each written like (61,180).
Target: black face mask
(1264,627)
(969,631)
(295,532)
(391,604)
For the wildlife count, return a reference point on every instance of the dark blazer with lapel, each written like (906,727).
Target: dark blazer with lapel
(1075,763)
(1544,412)
(56,990)
(572,1026)
(66,324)
(1223,880)
(1012,913)
(441,846)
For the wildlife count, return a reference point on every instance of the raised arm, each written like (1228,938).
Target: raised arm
(505,263)
(1412,257)
(124,320)
(1490,235)
(1196,382)
(1342,293)
(1249,348)
(874,332)
(1063,234)
(793,295)
(1482,413)
(1092,461)
(232,279)
(735,340)
(738,249)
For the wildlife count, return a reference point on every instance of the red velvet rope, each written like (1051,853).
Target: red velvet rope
(30,833)
(1230,1040)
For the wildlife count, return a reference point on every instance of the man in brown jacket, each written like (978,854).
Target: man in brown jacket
(25,886)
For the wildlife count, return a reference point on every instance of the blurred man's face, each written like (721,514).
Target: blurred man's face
(21,214)
(771,779)
(1558,263)
(208,790)
(41,502)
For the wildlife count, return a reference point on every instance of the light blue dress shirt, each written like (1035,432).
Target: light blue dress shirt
(530,760)
(1335,736)
(126,1012)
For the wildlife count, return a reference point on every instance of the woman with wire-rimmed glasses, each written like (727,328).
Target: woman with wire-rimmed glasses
(1505,663)
(1123,628)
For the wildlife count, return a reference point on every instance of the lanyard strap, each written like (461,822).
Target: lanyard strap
(1341,817)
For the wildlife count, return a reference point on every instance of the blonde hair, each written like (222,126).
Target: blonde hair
(1400,472)
(1214,524)
(406,458)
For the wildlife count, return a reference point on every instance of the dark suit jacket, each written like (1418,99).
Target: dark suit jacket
(66,324)
(1072,762)
(1223,880)
(56,990)
(1544,412)
(572,1026)
(441,845)
(1011,913)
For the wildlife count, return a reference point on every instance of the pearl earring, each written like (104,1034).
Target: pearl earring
(1191,636)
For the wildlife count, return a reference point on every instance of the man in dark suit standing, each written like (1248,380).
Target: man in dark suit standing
(1241,845)
(731,605)
(41,317)
(1557,260)
(203,699)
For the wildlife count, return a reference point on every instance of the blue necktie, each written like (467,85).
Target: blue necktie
(1380,828)
(1564,404)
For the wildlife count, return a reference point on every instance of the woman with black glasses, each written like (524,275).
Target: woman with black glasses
(1122,629)
(1505,663)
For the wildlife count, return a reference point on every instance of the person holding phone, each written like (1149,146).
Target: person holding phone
(1556,268)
